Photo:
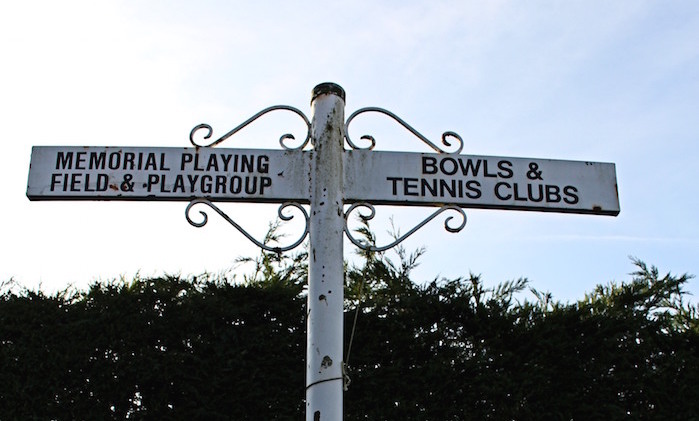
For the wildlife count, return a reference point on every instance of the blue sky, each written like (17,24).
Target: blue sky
(589,81)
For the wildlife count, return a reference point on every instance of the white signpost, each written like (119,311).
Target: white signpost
(325,177)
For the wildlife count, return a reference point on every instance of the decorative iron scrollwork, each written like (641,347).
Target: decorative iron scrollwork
(370,138)
(282,139)
(280,213)
(368,247)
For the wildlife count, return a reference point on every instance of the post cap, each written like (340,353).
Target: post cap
(328,88)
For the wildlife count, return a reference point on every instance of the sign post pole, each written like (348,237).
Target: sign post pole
(324,375)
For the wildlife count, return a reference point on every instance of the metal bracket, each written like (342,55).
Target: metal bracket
(368,247)
(250,120)
(370,138)
(280,213)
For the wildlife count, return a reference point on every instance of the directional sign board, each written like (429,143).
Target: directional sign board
(401,178)
(180,174)
(378,177)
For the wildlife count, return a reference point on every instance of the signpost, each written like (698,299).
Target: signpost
(326,177)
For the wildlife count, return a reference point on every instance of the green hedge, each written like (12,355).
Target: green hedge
(173,348)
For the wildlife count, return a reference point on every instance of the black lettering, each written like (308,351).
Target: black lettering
(196,163)
(186,159)
(445,169)
(250,189)
(55,181)
(153,179)
(220,184)
(540,190)
(114,160)
(80,160)
(266,182)
(102,182)
(498,193)
(571,195)
(426,185)
(213,163)
(179,184)
(474,189)
(394,182)
(64,161)
(87,183)
(410,187)
(97,160)
(226,159)
(517,196)
(263,164)
(429,166)
(150,162)
(162,184)
(469,167)
(74,182)
(236,183)
(443,186)
(485,170)
(553,194)
(192,181)
(162,162)
(247,164)
(206,184)
(129,161)
(505,168)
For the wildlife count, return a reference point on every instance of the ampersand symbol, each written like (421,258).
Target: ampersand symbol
(534,173)
(127,184)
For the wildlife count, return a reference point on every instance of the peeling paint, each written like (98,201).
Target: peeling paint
(325,268)
(326,363)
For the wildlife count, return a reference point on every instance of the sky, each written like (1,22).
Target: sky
(578,80)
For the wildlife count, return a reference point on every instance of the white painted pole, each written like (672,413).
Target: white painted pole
(324,344)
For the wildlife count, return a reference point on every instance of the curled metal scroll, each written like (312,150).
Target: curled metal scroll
(445,135)
(250,120)
(368,247)
(280,212)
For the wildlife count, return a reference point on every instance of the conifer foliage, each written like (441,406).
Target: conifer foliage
(208,348)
